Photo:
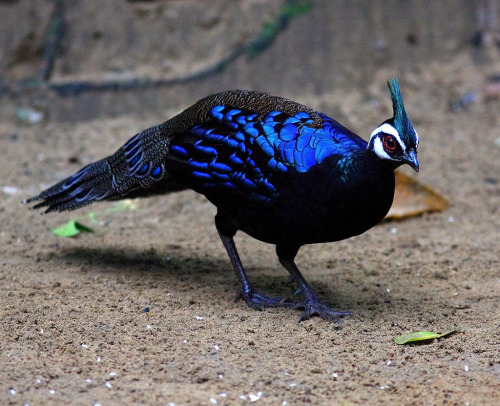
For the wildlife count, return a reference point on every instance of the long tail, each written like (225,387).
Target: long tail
(136,170)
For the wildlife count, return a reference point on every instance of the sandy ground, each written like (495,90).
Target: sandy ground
(72,320)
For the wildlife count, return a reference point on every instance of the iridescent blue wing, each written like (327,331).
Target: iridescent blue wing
(243,152)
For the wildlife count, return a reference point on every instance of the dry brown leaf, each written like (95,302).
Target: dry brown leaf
(412,199)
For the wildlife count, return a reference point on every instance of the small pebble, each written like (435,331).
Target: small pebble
(466,368)
(223,394)
(85,346)
(9,190)
(29,115)
(198,318)
(12,391)
(52,391)
(214,401)
(256,397)
(108,384)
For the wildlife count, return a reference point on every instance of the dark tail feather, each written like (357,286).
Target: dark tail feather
(92,183)
(136,170)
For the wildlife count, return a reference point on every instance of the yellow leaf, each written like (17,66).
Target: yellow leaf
(412,199)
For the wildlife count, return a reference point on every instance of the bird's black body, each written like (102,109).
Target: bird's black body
(279,171)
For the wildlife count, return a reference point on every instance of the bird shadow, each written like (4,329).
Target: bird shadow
(199,271)
(171,263)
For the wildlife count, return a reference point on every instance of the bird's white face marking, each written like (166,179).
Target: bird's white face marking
(416,136)
(378,146)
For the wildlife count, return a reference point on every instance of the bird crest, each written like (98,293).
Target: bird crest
(395,139)
(401,121)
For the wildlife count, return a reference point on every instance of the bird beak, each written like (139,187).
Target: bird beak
(411,159)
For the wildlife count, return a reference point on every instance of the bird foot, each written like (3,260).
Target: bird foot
(314,306)
(260,302)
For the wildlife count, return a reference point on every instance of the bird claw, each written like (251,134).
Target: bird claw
(260,302)
(314,306)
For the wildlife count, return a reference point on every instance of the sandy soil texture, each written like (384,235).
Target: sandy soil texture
(72,320)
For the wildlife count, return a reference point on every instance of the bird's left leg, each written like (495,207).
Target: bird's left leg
(311,303)
(253,299)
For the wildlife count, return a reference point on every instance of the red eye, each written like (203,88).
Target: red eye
(390,143)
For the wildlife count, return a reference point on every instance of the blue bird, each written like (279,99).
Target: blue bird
(276,170)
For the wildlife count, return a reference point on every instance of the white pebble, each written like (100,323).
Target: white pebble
(223,394)
(335,375)
(88,380)
(41,331)
(99,359)
(284,403)
(52,391)
(12,391)
(293,385)
(466,368)
(451,219)
(108,384)
(221,376)
(389,362)
(243,397)
(198,318)
(85,346)
(185,342)
(148,327)
(112,374)
(38,381)
(10,190)
(388,290)
(217,348)
(97,404)
(256,397)
(393,230)
(214,401)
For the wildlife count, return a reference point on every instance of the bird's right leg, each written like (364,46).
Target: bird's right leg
(253,299)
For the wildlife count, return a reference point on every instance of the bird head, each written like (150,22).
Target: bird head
(395,140)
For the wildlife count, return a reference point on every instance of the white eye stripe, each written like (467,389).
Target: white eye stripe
(389,129)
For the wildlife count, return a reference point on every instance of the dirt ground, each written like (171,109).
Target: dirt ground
(72,320)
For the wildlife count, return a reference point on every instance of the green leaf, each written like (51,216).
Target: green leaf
(420,336)
(71,229)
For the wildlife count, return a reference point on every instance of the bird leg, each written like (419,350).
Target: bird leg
(311,303)
(253,299)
